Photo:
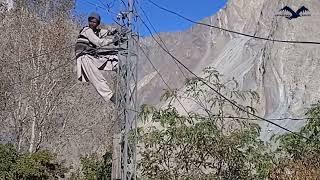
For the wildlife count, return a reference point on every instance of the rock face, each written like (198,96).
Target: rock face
(284,74)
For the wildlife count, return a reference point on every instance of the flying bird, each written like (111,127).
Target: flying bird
(294,14)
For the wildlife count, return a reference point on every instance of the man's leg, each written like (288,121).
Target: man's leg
(95,76)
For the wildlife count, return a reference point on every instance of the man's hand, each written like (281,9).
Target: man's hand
(119,38)
(113,32)
(123,31)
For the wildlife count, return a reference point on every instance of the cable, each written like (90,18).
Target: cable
(111,4)
(246,118)
(161,77)
(158,72)
(221,95)
(275,119)
(231,31)
(157,34)
(160,40)
(124,4)
(107,8)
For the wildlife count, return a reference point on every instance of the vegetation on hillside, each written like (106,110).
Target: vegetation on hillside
(216,141)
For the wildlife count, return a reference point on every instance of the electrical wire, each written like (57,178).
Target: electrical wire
(246,118)
(106,9)
(231,31)
(157,34)
(161,77)
(275,119)
(98,6)
(221,95)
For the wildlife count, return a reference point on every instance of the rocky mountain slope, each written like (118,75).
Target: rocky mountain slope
(284,74)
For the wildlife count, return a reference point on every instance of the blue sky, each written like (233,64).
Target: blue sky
(163,21)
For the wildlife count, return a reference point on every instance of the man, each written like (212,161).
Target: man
(89,64)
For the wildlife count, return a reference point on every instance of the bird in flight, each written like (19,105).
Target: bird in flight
(294,14)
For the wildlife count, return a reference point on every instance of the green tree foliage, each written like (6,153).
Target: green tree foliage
(205,145)
(179,150)
(94,168)
(8,159)
(300,158)
(39,165)
(218,142)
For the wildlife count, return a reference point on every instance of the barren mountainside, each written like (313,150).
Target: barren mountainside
(285,75)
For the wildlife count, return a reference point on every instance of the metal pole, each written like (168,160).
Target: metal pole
(127,161)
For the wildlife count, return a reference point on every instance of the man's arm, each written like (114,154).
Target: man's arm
(108,31)
(99,42)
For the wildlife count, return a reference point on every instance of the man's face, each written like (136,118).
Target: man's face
(93,23)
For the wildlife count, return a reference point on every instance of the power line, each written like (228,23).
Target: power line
(166,49)
(157,34)
(161,77)
(124,4)
(246,118)
(221,95)
(275,119)
(230,101)
(106,7)
(110,5)
(158,72)
(231,31)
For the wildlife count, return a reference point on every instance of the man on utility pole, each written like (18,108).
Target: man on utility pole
(91,61)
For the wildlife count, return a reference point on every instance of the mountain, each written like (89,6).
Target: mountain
(284,74)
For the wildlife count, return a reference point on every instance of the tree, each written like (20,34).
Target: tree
(299,158)
(37,71)
(209,144)
(43,106)
(25,166)
(8,159)
(94,168)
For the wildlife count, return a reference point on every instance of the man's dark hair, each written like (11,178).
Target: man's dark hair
(94,15)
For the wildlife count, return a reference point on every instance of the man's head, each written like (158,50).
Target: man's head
(94,20)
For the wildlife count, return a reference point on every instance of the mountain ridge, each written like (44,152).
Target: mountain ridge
(274,70)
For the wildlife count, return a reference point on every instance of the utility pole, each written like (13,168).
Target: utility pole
(127,102)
